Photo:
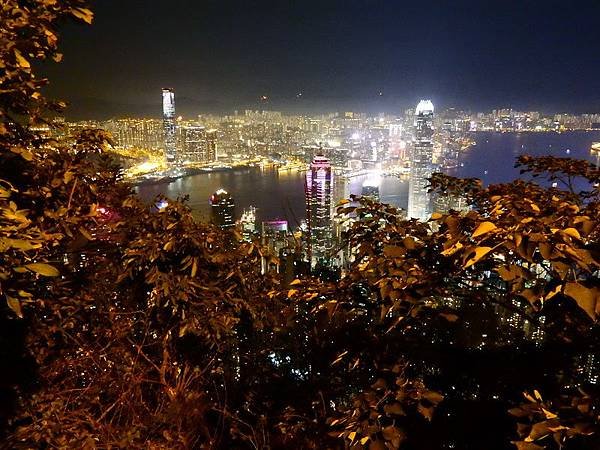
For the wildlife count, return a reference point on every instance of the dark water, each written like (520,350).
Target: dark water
(281,194)
(496,153)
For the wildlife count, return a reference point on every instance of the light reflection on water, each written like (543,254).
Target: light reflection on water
(281,194)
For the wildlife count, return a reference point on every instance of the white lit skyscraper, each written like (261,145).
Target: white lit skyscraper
(319,210)
(169,125)
(421,162)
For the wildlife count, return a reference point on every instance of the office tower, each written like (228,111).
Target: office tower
(211,145)
(169,125)
(370,188)
(421,162)
(248,223)
(319,211)
(222,209)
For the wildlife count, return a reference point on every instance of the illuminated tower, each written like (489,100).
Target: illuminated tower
(247,223)
(169,125)
(222,209)
(421,166)
(319,210)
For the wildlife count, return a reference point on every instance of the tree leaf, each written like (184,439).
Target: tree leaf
(449,317)
(21,60)
(352,436)
(395,409)
(572,232)
(194,267)
(480,252)
(585,298)
(85,234)
(84,14)
(393,251)
(43,269)
(15,305)
(484,228)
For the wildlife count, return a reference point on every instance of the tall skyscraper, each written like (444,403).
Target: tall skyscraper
(222,209)
(169,125)
(247,223)
(421,162)
(319,210)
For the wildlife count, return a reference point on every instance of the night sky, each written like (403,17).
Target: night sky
(220,55)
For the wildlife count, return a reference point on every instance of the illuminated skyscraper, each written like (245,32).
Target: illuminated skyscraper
(319,210)
(248,223)
(421,162)
(169,125)
(222,209)
(211,145)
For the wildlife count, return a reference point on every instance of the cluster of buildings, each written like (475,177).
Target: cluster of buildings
(326,183)
(185,142)
(509,120)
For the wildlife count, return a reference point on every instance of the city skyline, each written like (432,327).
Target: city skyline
(310,57)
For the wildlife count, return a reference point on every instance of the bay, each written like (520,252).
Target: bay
(280,194)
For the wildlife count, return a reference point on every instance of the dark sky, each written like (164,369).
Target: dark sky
(224,54)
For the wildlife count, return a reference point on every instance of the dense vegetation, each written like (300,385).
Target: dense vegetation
(124,326)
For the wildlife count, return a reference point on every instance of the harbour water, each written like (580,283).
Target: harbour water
(281,194)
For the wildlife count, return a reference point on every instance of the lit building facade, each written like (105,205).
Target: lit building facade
(444,203)
(222,209)
(169,127)
(421,162)
(319,211)
(196,145)
(248,223)
(136,133)
(211,145)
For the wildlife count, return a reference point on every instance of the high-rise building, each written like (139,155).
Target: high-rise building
(211,145)
(248,223)
(275,239)
(222,209)
(169,125)
(147,134)
(319,211)
(196,145)
(421,166)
